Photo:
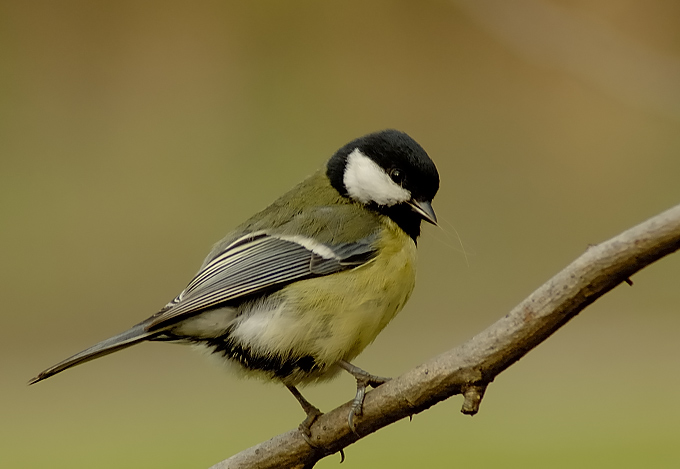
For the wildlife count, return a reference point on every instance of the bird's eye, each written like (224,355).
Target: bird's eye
(397,175)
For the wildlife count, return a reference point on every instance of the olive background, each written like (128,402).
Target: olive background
(133,135)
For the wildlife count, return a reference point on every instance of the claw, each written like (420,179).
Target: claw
(312,412)
(364,379)
(306,425)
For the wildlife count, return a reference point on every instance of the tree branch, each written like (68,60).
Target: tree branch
(469,368)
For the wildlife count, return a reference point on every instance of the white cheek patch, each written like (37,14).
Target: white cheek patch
(367,182)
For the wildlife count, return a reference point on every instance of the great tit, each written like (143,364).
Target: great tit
(302,287)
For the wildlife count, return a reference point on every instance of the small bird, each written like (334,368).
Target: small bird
(302,287)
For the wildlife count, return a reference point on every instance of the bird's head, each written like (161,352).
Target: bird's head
(389,172)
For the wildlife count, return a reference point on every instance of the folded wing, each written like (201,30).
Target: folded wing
(259,262)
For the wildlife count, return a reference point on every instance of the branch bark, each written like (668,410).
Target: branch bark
(469,368)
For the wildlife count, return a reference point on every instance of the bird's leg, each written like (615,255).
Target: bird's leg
(363,379)
(312,412)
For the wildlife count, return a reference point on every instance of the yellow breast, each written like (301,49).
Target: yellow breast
(337,316)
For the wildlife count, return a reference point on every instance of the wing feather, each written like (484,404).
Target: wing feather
(257,262)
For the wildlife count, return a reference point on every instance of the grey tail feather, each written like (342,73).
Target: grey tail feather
(118,342)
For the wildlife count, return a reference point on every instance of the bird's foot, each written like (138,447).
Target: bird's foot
(364,379)
(306,425)
(312,412)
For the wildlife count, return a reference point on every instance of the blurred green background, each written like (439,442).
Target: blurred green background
(133,135)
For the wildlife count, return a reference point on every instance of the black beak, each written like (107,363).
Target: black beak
(424,209)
